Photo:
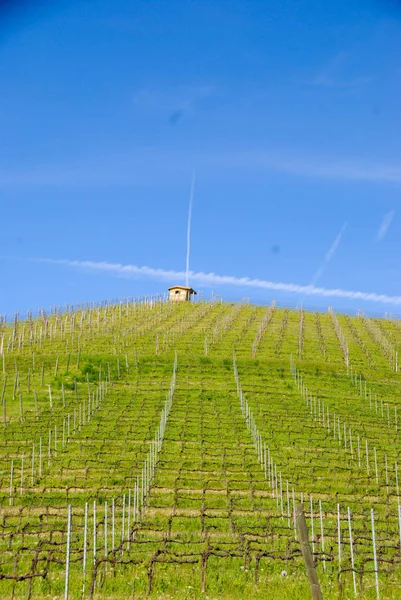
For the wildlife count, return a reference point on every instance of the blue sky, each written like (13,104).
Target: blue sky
(288,112)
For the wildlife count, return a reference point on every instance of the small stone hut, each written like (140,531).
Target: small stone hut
(181,293)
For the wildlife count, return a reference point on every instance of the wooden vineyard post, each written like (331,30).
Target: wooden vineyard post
(339,535)
(112,525)
(322,532)
(312,528)
(351,544)
(67,560)
(11,483)
(40,457)
(123,523)
(85,550)
(105,533)
(3,401)
(129,518)
(306,552)
(94,532)
(33,465)
(21,409)
(372,514)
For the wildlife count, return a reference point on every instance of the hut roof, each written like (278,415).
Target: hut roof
(182,287)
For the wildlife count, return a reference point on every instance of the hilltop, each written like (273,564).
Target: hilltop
(154,449)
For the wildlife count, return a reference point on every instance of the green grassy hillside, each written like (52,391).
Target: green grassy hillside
(158,450)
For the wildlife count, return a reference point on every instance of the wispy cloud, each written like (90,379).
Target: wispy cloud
(385,225)
(74,175)
(212,279)
(140,168)
(324,80)
(181,95)
(314,167)
(328,256)
(337,74)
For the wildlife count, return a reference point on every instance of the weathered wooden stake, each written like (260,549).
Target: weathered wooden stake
(11,482)
(123,522)
(306,552)
(33,465)
(312,524)
(351,545)
(22,473)
(399,522)
(21,408)
(105,530)
(36,403)
(94,532)
(339,535)
(67,560)
(40,457)
(3,400)
(322,532)
(85,550)
(112,525)
(375,554)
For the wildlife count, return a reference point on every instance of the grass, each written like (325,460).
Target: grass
(82,396)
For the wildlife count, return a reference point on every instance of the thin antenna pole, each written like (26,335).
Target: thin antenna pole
(191,198)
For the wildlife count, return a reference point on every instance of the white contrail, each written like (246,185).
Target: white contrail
(328,256)
(385,224)
(191,199)
(211,279)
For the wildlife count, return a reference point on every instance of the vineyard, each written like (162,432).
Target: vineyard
(155,449)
